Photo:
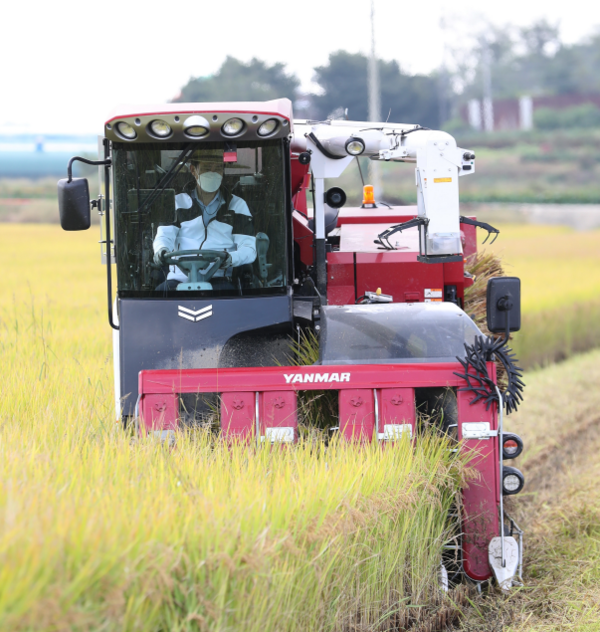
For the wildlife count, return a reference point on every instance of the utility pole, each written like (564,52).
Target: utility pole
(443,77)
(374,104)
(488,102)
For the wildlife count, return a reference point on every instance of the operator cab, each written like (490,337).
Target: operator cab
(158,198)
(200,230)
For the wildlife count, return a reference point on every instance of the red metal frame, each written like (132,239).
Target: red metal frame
(352,272)
(367,393)
(274,378)
(482,496)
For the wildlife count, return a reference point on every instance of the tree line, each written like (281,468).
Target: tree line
(343,83)
(531,60)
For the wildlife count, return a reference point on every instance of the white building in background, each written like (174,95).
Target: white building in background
(526,113)
(474,114)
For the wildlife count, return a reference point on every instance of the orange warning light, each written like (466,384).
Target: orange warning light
(368,196)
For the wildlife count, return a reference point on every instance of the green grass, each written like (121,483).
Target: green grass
(536,167)
(33,200)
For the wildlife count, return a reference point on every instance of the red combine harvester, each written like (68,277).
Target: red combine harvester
(220,260)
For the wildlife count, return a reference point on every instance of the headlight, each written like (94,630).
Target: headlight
(512,480)
(512,446)
(196,126)
(160,128)
(233,127)
(268,127)
(126,130)
(355,146)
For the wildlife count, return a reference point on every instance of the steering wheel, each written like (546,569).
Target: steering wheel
(200,265)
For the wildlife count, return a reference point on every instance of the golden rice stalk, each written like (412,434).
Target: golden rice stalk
(483,266)
(318,410)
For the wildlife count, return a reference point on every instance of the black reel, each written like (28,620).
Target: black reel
(483,350)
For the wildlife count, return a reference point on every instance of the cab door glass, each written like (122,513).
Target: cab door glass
(160,200)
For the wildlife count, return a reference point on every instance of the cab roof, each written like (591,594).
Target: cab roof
(275,107)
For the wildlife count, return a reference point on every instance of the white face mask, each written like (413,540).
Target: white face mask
(210,181)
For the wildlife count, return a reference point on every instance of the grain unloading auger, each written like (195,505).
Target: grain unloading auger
(220,261)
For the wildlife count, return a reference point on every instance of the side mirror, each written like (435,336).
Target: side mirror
(504,304)
(74,203)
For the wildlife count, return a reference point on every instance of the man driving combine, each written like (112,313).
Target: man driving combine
(208,217)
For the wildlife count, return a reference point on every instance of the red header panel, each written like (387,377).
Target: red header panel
(302,378)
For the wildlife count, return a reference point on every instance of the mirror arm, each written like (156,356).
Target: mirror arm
(507,330)
(107,162)
(87,162)
(500,342)
(505,305)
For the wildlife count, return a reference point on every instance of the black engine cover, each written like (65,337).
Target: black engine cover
(199,333)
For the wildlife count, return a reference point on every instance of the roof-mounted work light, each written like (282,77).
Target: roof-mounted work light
(196,126)
(268,127)
(161,129)
(233,127)
(126,131)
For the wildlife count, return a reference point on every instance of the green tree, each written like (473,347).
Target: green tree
(540,38)
(239,81)
(575,68)
(531,60)
(407,98)
(579,116)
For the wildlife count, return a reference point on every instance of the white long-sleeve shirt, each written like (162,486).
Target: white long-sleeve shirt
(192,234)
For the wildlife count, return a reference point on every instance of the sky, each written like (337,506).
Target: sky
(66,63)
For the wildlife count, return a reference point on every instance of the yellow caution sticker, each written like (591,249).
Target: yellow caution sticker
(442,180)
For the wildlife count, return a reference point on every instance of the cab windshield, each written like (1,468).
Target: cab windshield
(200,220)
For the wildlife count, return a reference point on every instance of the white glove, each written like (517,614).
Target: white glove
(227,262)
(158,256)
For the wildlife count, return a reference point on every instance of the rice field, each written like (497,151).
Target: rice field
(101,530)
(559,270)
(557,265)
(559,509)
